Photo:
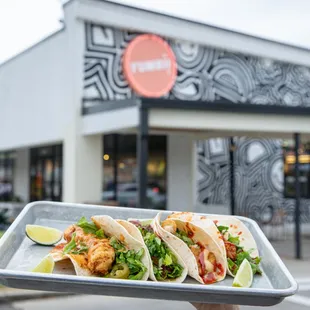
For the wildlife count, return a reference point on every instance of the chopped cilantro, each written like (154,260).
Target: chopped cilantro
(222,229)
(234,240)
(241,255)
(100,233)
(70,246)
(90,228)
(81,248)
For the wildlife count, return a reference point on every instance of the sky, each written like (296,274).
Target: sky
(25,22)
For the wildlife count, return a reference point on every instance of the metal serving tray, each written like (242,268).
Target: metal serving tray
(18,255)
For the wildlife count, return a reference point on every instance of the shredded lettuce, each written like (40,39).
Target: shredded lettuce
(130,257)
(165,263)
(183,236)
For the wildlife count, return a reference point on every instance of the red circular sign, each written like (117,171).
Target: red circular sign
(149,65)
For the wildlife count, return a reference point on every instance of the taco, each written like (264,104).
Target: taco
(231,233)
(165,264)
(197,248)
(103,248)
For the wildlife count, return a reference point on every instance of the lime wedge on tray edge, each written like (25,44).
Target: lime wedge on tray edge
(244,276)
(46,265)
(43,235)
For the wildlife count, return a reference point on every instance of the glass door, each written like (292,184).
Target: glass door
(46,173)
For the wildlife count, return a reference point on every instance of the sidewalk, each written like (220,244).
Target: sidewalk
(8,294)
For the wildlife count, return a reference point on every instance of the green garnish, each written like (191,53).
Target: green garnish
(234,240)
(100,234)
(70,246)
(129,257)
(254,262)
(241,255)
(73,248)
(90,228)
(81,248)
(165,263)
(222,229)
(183,236)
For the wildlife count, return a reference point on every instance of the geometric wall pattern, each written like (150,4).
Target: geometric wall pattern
(259,178)
(203,73)
(208,74)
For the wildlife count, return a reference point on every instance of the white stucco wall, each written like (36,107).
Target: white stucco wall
(33,95)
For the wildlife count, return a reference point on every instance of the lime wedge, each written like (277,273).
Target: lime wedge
(43,235)
(244,276)
(46,265)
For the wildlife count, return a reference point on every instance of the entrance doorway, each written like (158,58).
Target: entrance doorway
(46,173)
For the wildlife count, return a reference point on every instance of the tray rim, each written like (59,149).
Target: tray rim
(199,288)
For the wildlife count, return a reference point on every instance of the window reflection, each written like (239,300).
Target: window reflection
(6,175)
(123,149)
(289,170)
(45,173)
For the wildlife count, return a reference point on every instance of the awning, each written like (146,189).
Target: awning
(201,120)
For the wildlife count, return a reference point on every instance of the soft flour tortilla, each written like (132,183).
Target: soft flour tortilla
(76,260)
(199,236)
(135,232)
(110,228)
(205,223)
(235,228)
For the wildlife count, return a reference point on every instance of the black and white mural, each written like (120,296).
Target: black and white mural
(203,73)
(207,74)
(259,177)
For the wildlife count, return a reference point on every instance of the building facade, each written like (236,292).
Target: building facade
(64,152)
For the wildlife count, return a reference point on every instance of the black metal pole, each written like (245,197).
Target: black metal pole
(232,175)
(115,166)
(142,155)
(297,198)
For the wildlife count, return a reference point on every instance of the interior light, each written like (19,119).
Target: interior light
(106,157)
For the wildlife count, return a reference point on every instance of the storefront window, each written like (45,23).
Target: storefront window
(6,176)
(289,170)
(123,149)
(46,173)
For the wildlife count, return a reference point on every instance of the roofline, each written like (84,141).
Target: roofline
(28,49)
(108,13)
(210,26)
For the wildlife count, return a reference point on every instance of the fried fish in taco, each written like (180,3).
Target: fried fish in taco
(233,237)
(197,248)
(165,264)
(103,248)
